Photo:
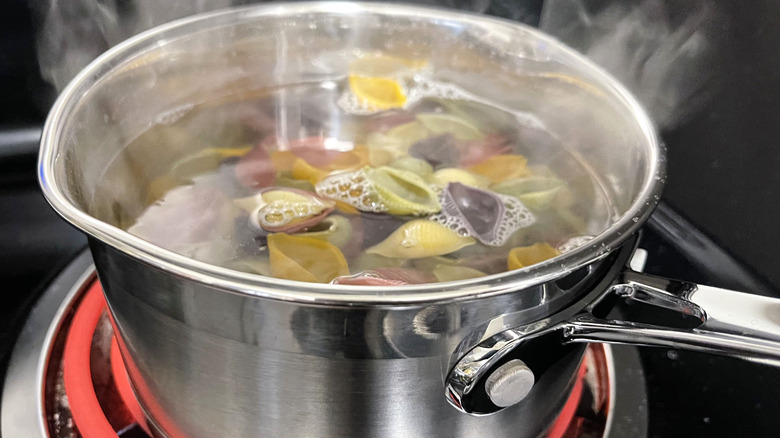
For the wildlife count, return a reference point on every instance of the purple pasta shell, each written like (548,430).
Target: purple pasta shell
(385,277)
(481,211)
(489,217)
(367,278)
(440,151)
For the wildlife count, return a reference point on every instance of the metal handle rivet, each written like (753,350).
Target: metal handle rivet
(510,383)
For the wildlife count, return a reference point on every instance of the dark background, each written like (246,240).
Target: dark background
(724,164)
(723,176)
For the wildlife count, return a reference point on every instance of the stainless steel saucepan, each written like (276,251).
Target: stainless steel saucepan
(214,352)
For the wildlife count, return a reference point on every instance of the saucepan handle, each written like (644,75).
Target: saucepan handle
(697,317)
(636,309)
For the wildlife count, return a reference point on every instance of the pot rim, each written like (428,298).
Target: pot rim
(314,293)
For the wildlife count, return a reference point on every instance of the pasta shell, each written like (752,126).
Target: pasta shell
(352,188)
(289,210)
(403,136)
(428,264)
(409,276)
(387,146)
(439,151)
(376,227)
(476,151)
(334,229)
(283,160)
(187,215)
(489,217)
(386,277)
(452,175)
(305,259)
(385,189)
(374,82)
(380,156)
(205,160)
(442,123)
(367,278)
(402,192)
(313,168)
(502,167)
(372,262)
(304,171)
(455,273)
(535,192)
(487,117)
(414,165)
(255,265)
(285,179)
(349,160)
(540,170)
(255,169)
(524,256)
(386,120)
(420,238)
(314,150)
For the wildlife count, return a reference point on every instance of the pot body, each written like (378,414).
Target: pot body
(213,352)
(205,362)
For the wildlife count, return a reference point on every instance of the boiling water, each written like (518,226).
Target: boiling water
(316,182)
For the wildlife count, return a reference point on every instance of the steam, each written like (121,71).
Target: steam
(71,33)
(666,55)
(667,58)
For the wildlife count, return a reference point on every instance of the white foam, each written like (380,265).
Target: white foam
(354,188)
(281,212)
(516,216)
(422,87)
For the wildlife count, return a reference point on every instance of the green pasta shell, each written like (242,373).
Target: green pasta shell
(402,192)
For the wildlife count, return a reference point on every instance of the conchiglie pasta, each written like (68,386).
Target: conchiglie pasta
(386,178)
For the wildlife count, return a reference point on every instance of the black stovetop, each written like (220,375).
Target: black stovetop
(723,177)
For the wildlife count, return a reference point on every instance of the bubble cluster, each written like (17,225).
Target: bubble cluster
(350,104)
(281,212)
(423,87)
(354,188)
(455,223)
(515,216)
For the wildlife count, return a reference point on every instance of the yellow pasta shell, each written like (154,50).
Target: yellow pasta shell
(305,259)
(524,256)
(451,175)
(455,273)
(500,168)
(420,238)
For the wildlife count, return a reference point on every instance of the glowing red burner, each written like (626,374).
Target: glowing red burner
(123,386)
(563,423)
(86,410)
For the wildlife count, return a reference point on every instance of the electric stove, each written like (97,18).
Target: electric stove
(722,190)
